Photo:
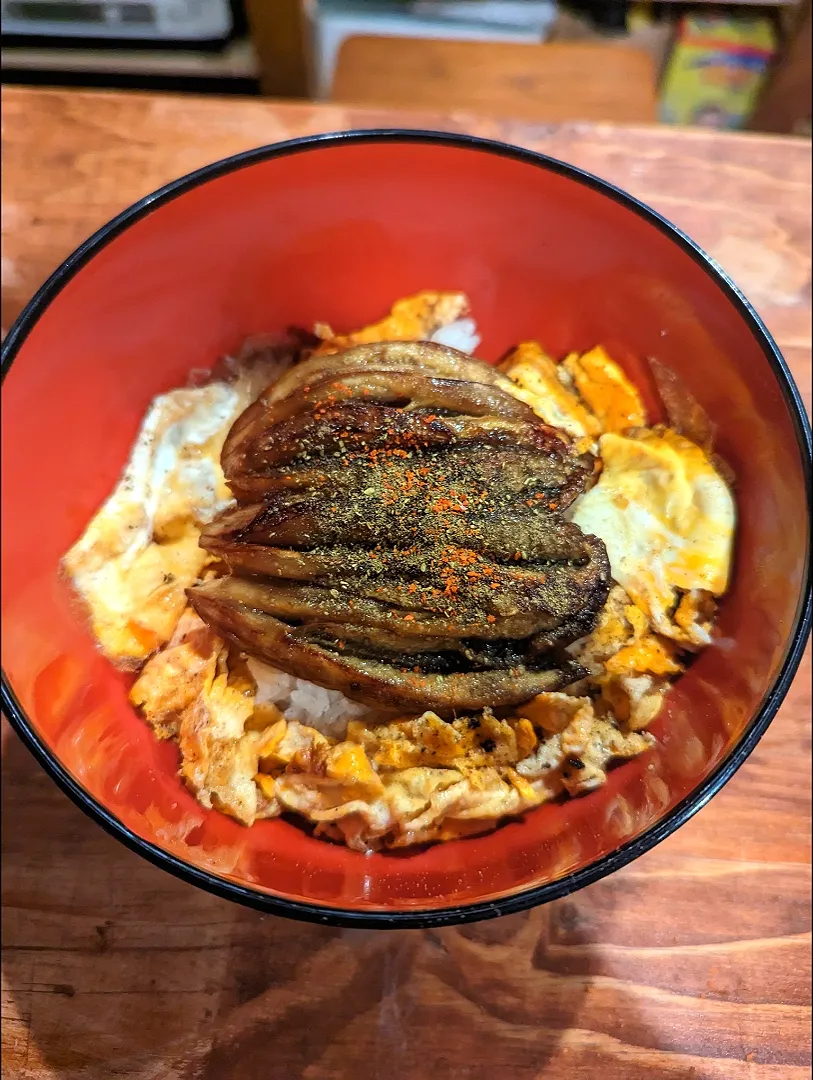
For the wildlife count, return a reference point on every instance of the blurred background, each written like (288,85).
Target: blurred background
(722,65)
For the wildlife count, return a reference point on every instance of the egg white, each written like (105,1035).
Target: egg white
(667,518)
(140,552)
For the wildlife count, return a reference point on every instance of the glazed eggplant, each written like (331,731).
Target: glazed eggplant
(399,533)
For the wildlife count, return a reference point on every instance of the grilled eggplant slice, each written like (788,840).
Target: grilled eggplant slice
(399,533)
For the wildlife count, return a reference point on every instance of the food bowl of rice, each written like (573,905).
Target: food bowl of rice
(412,531)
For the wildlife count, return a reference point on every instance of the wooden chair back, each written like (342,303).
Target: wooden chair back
(545,82)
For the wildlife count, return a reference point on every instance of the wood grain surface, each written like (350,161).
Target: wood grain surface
(694,961)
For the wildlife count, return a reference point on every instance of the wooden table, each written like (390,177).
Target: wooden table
(692,962)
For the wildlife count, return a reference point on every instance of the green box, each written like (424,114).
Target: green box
(716,70)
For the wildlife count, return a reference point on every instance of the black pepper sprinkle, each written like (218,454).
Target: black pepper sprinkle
(488,745)
(575,763)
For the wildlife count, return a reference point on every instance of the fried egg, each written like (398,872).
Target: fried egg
(428,740)
(372,798)
(667,518)
(192,691)
(605,389)
(540,385)
(579,746)
(629,668)
(140,552)
(427,316)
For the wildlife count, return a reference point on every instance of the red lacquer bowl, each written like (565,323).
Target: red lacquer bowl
(334,229)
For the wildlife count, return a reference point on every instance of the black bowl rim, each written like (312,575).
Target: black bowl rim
(444,915)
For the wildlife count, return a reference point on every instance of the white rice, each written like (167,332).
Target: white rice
(326,710)
(329,710)
(461,334)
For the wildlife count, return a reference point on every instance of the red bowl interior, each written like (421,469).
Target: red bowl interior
(336,233)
